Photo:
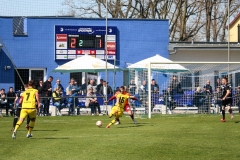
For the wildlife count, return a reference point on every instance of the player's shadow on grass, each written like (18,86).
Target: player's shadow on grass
(139,125)
(53,138)
(44,130)
(237,121)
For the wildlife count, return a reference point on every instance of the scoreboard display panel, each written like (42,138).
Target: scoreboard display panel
(74,41)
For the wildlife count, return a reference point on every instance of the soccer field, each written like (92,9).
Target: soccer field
(162,137)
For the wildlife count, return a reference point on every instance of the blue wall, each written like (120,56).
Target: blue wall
(138,39)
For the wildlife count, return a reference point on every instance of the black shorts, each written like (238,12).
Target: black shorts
(227,102)
(17,112)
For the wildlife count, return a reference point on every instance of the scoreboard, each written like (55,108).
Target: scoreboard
(75,41)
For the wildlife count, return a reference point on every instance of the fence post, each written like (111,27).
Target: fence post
(74,105)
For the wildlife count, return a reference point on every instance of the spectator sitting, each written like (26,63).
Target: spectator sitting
(103,89)
(67,89)
(3,99)
(10,103)
(58,84)
(91,85)
(73,87)
(71,104)
(58,101)
(91,101)
(73,90)
(132,87)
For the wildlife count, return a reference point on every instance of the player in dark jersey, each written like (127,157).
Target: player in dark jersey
(226,98)
(17,107)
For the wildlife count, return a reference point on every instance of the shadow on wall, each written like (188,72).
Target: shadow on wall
(6,71)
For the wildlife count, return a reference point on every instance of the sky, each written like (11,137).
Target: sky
(31,7)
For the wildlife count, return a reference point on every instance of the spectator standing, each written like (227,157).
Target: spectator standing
(143,96)
(40,87)
(10,102)
(47,94)
(58,84)
(168,98)
(198,99)
(91,84)
(144,86)
(175,86)
(103,89)
(217,98)
(217,83)
(208,87)
(154,86)
(207,100)
(237,98)
(99,85)
(132,87)
(91,101)
(84,87)
(3,99)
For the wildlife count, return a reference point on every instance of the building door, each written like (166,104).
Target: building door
(28,74)
(37,75)
(18,78)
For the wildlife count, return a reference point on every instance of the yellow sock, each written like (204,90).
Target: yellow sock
(112,122)
(17,125)
(31,125)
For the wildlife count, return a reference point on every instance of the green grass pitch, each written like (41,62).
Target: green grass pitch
(162,137)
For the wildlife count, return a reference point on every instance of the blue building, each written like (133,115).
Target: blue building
(30,43)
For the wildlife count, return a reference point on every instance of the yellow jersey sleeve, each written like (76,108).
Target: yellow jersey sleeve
(29,99)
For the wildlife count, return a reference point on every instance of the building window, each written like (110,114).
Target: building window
(19,26)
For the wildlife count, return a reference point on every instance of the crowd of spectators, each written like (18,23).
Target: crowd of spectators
(66,97)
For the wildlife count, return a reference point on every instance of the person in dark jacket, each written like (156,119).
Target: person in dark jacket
(46,94)
(198,99)
(10,103)
(175,86)
(103,89)
(168,98)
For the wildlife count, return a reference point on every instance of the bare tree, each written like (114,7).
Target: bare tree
(203,20)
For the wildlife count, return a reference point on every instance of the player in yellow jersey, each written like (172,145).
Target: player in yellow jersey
(118,108)
(127,107)
(28,101)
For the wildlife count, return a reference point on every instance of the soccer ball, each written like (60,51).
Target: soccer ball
(99,123)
